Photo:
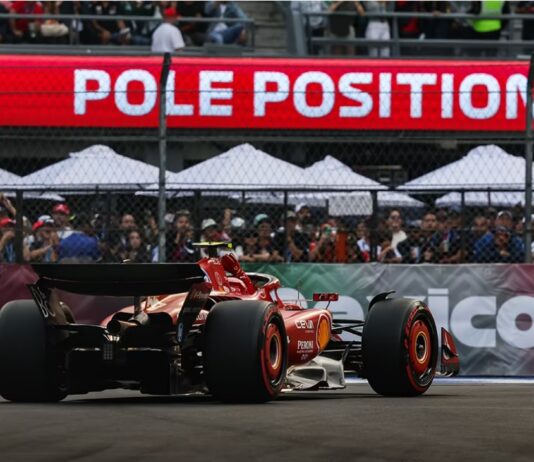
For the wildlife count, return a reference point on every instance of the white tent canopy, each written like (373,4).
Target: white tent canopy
(334,173)
(95,167)
(482,199)
(10,182)
(333,179)
(245,168)
(8,179)
(488,167)
(241,168)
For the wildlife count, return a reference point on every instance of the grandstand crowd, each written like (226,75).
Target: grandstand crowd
(440,236)
(162,28)
(166,27)
(439,26)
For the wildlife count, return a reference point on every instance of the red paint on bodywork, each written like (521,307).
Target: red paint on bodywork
(301,324)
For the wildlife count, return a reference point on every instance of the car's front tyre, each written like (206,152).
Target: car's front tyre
(400,347)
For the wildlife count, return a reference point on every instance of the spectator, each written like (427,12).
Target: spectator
(88,32)
(167,38)
(211,233)
(395,227)
(194,32)
(505,218)
(323,249)
(363,233)
(61,215)
(342,26)
(290,242)
(491,215)
(6,207)
(136,250)
(410,248)
(229,220)
(316,25)
(81,246)
(249,250)
(304,218)
(431,239)
(5,30)
(441,221)
(527,33)
(487,28)
(500,247)
(225,32)
(409,27)
(388,253)
(451,245)
(7,241)
(109,30)
(140,31)
(354,255)
(25,30)
(436,27)
(182,249)
(45,246)
(267,250)
(479,229)
(377,28)
(52,30)
(126,225)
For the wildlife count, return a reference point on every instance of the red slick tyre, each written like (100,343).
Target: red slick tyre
(245,351)
(400,347)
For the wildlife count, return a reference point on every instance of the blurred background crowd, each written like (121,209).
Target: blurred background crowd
(302,234)
(105,29)
(184,24)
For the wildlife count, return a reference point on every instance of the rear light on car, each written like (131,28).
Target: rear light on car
(325,297)
(323,333)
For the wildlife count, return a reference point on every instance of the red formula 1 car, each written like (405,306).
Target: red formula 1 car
(221,331)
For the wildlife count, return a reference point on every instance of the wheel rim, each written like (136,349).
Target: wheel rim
(420,348)
(273,352)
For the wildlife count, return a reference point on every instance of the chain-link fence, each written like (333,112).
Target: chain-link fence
(291,161)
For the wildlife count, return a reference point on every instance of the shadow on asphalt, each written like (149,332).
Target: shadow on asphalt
(209,401)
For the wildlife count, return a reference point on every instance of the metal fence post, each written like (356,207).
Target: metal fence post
(19,231)
(374,225)
(286,246)
(528,167)
(162,155)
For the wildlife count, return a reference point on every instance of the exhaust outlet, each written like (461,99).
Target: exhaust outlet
(117,327)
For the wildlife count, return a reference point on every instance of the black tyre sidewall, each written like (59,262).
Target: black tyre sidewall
(385,347)
(233,343)
(27,362)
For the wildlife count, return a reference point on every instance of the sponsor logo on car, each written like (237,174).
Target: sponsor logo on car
(304,346)
(304,324)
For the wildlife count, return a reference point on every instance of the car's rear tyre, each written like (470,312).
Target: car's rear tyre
(245,351)
(400,347)
(29,369)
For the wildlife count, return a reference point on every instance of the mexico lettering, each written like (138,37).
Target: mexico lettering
(478,321)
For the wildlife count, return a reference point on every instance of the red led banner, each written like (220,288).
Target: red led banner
(250,93)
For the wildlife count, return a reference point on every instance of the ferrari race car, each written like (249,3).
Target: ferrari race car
(219,331)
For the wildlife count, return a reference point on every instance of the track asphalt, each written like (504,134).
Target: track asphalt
(454,421)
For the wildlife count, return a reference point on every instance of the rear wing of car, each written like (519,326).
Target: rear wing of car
(120,279)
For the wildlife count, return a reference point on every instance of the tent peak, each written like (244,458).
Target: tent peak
(99,150)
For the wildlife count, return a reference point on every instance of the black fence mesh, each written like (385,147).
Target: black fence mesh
(88,193)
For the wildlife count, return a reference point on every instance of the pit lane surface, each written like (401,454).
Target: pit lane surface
(453,421)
